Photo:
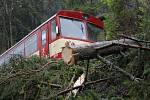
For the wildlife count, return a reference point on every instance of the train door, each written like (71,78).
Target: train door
(53,36)
(44,38)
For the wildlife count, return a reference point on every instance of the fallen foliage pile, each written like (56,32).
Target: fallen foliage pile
(38,78)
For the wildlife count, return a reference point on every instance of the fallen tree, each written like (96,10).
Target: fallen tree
(72,54)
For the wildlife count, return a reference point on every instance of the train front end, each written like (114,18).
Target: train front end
(75,28)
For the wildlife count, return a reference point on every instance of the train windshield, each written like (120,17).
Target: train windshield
(76,29)
(73,28)
(95,33)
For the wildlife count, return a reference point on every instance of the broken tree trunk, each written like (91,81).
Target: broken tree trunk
(71,54)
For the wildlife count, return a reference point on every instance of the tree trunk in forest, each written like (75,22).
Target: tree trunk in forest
(72,54)
(10,23)
(8,12)
(11,34)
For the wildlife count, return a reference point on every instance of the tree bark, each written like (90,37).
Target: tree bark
(72,54)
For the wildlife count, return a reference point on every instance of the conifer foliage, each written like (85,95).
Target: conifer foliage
(38,78)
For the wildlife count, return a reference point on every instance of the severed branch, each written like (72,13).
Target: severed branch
(72,54)
(131,38)
(132,46)
(118,68)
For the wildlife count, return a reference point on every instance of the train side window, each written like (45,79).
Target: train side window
(43,37)
(31,45)
(53,29)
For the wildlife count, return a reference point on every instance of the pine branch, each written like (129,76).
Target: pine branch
(127,37)
(81,86)
(119,69)
(51,84)
(25,73)
(131,46)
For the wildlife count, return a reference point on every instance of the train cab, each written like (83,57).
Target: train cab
(75,27)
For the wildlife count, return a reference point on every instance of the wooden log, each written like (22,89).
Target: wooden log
(72,54)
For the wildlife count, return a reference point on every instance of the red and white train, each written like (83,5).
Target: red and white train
(49,38)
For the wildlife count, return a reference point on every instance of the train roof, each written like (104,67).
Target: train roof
(81,16)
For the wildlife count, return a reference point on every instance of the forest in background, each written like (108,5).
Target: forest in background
(19,17)
(27,78)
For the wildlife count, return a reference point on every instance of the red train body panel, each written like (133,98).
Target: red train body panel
(48,39)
